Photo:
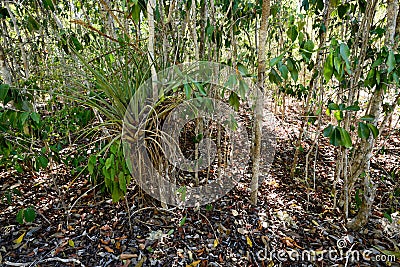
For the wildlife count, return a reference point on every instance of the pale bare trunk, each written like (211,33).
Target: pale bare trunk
(5,72)
(259,102)
(363,154)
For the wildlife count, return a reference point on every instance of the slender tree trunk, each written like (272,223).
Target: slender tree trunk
(259,102)
(20,42)
(5,72)
(363,154)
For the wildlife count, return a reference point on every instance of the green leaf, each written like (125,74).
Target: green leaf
(234,101)
(293,33)
(32,25)
(43,161)
(346,139)
(335,137)
(391,61)
(328,68)
(4,88)
(275,61)
(29,214)
(274,77)
(243,88)
(363,131)
(328,131)
(353,108)
(136,13)
(122,182)
(182,221)
(242,69)
(345,53)
(309,46)
(201,89)
(48,4)
(91,163)
(338,114)
(23,117)
(35,117)
(76,43)
(374,130)
(342,10)
(368,118)
(20,216)
(115,194)
(284,71)
(291,65)
(333,106)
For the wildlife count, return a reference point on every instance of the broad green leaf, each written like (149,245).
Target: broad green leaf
(363,131)
(188,90)
(242,69)
(234,101)
(374,130)
(284,71)
(338,114)
(20,216)
(29,214)
(309,46)
(293,33)
(328,130)
(274,77)
(291,65)
(109,162)
(342,10)
(136,13)
(4,88)
(346,139)
(353,108)
(275,61)
(345,53)
(35,117)
(333,106)
(91,163)
(23,117)
(122,182)
(243,88)
(43,161)
(335,137)
(115,193)
(368,118)
(328,68)
(391,62)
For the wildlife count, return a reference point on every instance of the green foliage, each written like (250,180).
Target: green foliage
(26,215)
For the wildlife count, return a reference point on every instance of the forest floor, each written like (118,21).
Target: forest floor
(293,224)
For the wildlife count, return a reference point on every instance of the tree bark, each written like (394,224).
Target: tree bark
(259,102)
(363,154)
